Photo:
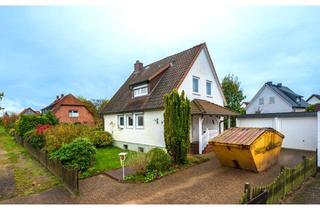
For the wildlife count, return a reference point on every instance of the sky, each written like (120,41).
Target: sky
(89,51)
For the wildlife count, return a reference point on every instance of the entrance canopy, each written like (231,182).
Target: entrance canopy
(203,107)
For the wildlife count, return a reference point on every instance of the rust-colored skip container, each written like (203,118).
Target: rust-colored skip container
(254,149)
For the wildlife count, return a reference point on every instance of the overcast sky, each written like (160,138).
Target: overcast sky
(90,51)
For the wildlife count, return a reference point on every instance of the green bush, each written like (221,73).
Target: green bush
(61,134)
(311,108)
(36,141)
(79,154)
(29,122)
(12,132)
(101,139)
(158,160)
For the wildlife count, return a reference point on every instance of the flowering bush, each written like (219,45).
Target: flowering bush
(41,128)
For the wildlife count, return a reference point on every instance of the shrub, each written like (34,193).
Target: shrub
(12,132)
(61,134)
(8,121)
(29,122)
(79,154)
(138,162)
(177,118)
(311,108)
(36,141)
(158,160)
(101,139)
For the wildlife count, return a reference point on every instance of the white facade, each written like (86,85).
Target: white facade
(203,70)
(272,102)
(151,135)
(300,132)
(313,100)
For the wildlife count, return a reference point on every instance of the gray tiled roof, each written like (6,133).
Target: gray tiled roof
(288,95)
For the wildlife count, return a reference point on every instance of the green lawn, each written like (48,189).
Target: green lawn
(106,159)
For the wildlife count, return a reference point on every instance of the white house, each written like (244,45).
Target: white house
(275,98)
(134,115)
(314,99)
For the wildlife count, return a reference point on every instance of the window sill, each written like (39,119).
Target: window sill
(140,128)
(197,94)
(209,96)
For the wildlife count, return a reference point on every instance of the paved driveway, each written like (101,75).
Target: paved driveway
(207,183)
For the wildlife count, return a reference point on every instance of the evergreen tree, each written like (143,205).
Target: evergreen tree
(177,119)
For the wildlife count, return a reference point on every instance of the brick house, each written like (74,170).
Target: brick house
(69,109)
(28,111)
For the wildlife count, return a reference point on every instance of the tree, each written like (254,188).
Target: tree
(1,96)
(177,119)
(91,107)
(311,108)
(233,94)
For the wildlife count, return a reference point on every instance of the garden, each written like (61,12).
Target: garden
(89,150)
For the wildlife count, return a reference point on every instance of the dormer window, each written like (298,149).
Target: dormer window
(298,99)
(140,90)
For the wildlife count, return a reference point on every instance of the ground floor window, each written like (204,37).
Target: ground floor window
(121,121)
(139,121)
(125,146)
(129,121)
(140,149)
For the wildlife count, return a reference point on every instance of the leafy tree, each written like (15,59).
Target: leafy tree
(311,108)
(1,96)
(233,94)
(177,118)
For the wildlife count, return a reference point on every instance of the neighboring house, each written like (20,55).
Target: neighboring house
(28,111)
(69,109)
(134,115)
(314,99)
(275,98)
(244,104)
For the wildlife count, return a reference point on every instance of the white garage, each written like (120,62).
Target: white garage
(301,129)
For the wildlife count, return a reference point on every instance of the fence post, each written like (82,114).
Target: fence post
(304,158)
(247,190)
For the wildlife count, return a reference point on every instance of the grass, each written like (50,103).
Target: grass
(107,158)
(29,175)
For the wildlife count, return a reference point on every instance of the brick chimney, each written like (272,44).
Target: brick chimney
(57,97)
(62,95)
(138,66)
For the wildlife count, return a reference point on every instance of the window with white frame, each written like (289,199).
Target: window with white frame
(73,113)
(209,87)
(139,121)
(271,100)
(121,121)
(130,121)
(140,90)
(195,84)
(261,101)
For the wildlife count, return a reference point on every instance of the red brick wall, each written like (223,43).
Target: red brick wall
(84,115)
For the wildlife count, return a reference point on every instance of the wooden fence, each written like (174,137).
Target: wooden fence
(70,178)
(289,179)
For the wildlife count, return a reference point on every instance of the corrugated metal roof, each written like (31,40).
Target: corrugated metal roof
(241,136)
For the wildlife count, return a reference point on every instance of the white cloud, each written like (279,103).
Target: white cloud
(11,106)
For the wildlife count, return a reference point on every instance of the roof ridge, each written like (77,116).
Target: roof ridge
(175,54)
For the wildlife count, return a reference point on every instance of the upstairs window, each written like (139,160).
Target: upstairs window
(195,84)
(73,113)
(141,90)
(209,87)
(271,100)
(261,101)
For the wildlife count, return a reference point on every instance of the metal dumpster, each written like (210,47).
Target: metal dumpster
(254,149)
